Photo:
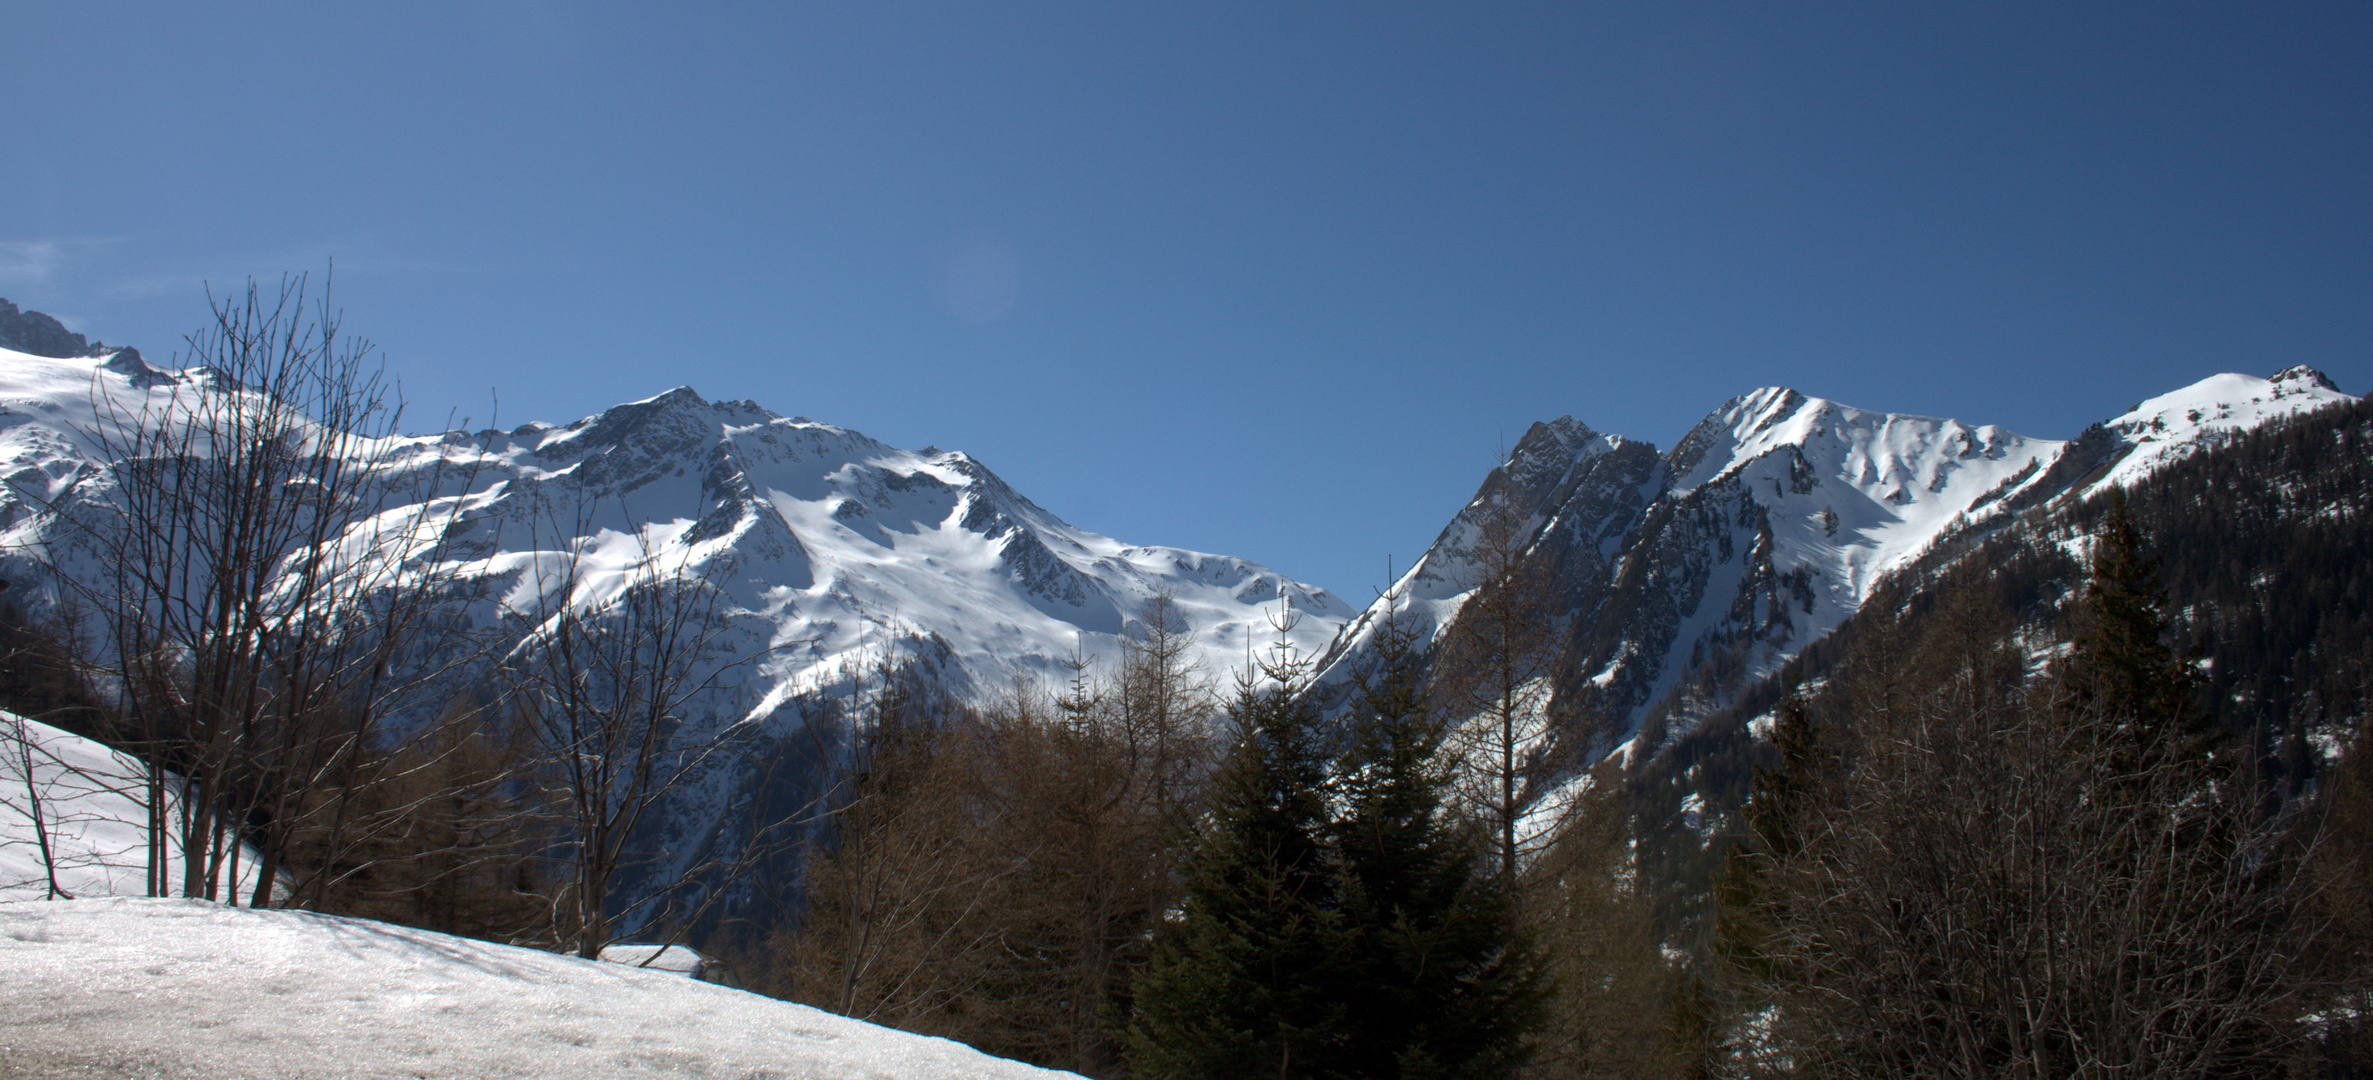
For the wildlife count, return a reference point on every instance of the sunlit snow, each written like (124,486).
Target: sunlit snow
(141,987)
(92,802)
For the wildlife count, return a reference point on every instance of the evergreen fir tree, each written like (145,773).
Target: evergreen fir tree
(2122,673)
(1743,922)
(1246,983)
(1441,981)
(1706,1017)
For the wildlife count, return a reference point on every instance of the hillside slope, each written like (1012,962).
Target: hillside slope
(126,987)
(2264,542)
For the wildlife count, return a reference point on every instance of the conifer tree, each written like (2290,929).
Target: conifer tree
(2122,672)
(1441,981)
(1245,984)
(1772,812)
(1706,1019)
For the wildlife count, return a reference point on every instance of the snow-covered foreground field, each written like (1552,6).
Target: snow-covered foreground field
(125,986)
(134,987)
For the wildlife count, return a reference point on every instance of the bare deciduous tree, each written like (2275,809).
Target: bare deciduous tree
(26,756)
(1491,672)
(1978,884)
(264,546)
(1167,710)
(609,666)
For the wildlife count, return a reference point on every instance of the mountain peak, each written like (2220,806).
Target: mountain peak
(2304,377)
(681,395)
(127,363)
(2159,431)
(36,334)
(1566,431)
(1720,440)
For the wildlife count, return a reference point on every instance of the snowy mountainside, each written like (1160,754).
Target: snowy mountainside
(1782,512)
(1685,577)
(830,552)
(2174,425)
(828,544)
(833,545)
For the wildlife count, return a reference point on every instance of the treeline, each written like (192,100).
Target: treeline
(994,873)
(1955,867)
(1150,875)
(1156,876)
(1935,853)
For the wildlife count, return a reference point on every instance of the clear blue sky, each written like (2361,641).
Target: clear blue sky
(1269,279)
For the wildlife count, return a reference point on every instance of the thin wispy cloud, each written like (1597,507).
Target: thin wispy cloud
(150,286)
(30,262)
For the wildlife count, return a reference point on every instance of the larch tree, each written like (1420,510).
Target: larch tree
(1612,1016)
(1491,672)
(996,874)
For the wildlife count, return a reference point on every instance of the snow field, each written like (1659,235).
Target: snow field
(169,988)
(114,984)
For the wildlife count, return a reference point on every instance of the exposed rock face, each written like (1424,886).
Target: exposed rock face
(36,334)
(1684,578)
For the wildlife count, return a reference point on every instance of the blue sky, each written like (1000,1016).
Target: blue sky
(1271,280)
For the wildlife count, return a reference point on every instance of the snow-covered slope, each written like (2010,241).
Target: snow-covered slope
(829,542)
(91,801)
(1685,577)
(2167,428)
(171,988)
(114,984)
(1784,511)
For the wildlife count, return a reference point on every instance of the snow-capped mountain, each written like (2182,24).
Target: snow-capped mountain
(831,553)
(1685,576)
(832,545)
(827,544)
